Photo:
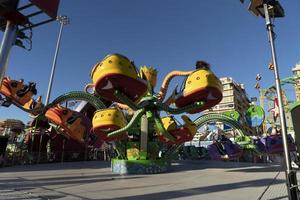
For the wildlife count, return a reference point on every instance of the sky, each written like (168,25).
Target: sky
(165,34)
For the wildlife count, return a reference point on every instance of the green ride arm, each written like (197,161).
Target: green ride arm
(126,100)
(206,118)
(119,148)
(162,129)
(137,115)
(79,95)
(177,111)
(75,95)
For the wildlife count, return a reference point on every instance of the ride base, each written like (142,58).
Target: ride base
(139,166)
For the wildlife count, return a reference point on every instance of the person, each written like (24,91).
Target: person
(223,139)
(201,64)
(220,143)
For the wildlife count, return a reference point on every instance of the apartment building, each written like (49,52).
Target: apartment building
(296,72)
(234,99)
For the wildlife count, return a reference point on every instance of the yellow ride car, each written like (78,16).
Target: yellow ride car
(108,120)
(116,72)
(17,90)
(201,85)
(182,134)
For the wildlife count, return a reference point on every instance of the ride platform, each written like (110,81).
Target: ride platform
(139,166)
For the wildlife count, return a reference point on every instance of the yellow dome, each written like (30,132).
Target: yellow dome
(169,123)
(202,78)
(108,117)
(113,64)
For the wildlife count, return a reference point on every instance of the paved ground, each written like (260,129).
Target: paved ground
(187,180)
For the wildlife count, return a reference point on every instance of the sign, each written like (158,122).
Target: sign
(255,116)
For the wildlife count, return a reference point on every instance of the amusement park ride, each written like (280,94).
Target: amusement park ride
(132,122)
(121,107)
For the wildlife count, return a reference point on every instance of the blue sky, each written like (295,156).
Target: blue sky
(168,35)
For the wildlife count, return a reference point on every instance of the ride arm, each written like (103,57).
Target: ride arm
(126,100)
(181,110)
(164,87)
(137,115)
(78,95)
(171,98)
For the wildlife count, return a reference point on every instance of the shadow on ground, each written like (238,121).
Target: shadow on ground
(186,165)
(25,184)
(57,166)
(200,190)
(30,183)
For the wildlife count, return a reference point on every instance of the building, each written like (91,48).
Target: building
(9,126)
(296,73)
(9,129)
(234,99)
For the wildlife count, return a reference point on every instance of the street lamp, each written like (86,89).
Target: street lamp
(272,9)
(63,20)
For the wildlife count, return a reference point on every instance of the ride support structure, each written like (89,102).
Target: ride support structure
(15,23)
(8,41)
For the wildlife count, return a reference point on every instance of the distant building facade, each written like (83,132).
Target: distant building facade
(11,125)
(296,72)
(234,99)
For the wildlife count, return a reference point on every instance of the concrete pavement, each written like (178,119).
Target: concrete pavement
(199,179)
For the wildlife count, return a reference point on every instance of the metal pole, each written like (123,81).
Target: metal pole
(63,21)
(86,146)
(144,135)
(291,179)
(31,148)
(40,145)
(63,149)
(8,41)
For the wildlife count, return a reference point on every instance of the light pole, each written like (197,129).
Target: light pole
(268,9)
(63,20)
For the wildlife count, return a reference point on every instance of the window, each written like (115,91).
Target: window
(226,106)
(227,99)
(228,93)
(227,86)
